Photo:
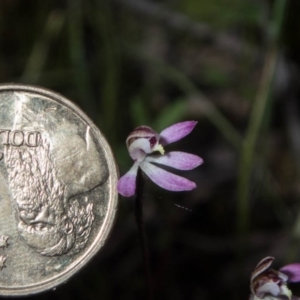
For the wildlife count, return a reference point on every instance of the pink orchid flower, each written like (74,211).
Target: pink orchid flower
(269,284)
(145,147)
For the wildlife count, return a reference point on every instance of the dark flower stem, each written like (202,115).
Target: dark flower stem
(141,232)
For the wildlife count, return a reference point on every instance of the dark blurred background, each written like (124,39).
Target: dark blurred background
(232,65)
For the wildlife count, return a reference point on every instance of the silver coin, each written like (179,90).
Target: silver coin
(58,193)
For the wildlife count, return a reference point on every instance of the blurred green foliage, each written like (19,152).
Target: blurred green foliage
(225,64)
(222,14)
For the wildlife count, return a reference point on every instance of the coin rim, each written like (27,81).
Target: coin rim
(113,196)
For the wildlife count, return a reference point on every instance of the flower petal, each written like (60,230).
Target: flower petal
(166,179)
(139,148)
(262,266)
(283,277)
(177,160)
(292,271)
(176,132)
(268,288)
(127,183)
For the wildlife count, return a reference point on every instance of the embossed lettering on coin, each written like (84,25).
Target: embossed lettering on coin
(57,187)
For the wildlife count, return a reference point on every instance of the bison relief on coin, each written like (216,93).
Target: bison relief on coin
(48,173)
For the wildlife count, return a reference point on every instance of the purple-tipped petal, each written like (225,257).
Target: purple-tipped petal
(176,132)
(166,179)
(292,271)
(177,160)
(127,183)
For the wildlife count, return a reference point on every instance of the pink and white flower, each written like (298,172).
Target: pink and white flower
(145,147)
(269,284)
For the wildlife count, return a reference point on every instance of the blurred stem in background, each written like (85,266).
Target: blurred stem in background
(110,82)
(260,109)
(40,50)
(77,51)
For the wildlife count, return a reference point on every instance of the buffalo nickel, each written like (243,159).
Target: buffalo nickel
(57,189)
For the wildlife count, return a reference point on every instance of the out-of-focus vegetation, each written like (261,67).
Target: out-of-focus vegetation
(231,65)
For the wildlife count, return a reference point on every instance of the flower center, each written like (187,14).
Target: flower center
(159,148)
(155,146)
(152,141)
